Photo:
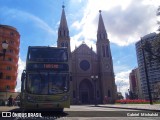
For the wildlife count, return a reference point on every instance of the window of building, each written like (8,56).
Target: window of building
(8,77)
(103,51)
(12,42)
(7,87)
(62,44)
(84,65)
(64,33)
(12,33)
(9,59)
(11,51)
(107,51)
(59,33)
(66,44)
(8,68)
(1,75)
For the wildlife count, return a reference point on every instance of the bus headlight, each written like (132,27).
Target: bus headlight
(64,98)
(30,99)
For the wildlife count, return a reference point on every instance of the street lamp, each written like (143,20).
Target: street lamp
(7,88)
(4,46)
(146,73)
(94,79)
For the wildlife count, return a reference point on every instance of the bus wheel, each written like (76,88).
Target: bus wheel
(60,109)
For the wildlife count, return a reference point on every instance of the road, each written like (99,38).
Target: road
(85,112)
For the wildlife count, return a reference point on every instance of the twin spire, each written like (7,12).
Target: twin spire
(64,31)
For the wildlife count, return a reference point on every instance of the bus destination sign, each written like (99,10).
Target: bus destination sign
(48,66)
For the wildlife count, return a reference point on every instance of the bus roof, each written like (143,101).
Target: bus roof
(46,47)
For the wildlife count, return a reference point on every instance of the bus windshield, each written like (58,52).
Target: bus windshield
(47,54)
(44,83)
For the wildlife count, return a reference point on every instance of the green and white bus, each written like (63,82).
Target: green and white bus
(45,81)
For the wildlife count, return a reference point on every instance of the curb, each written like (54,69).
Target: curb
(129,108)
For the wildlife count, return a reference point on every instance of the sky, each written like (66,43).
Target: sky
(126,21)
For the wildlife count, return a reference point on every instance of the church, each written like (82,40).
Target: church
(92,72)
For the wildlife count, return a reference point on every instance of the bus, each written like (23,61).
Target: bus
(45,80)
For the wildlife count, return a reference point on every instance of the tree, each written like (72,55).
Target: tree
(153,49)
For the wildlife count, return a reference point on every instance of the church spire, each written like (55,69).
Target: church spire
(101,32)
(63,31)
(63,22)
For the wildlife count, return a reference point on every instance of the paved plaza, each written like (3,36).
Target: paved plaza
(92,112)
(154,107)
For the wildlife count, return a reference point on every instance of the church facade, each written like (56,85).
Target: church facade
(92,73)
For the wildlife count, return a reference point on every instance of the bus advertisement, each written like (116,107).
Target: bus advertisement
(45,81)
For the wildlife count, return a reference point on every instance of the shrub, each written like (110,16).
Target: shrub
(136,101)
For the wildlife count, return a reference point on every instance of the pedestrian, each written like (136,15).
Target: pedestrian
(10,101)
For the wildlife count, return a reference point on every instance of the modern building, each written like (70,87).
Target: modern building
(9,66)
(138,81)
(92,72)
(135,84)
(152,66)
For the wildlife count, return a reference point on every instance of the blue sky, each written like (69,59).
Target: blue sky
(125,21)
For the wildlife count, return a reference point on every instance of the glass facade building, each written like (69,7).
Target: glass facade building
(153,66)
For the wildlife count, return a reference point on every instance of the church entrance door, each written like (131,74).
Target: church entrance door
(86,92)
(85,96)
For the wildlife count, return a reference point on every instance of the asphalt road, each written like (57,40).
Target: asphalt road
(87,112)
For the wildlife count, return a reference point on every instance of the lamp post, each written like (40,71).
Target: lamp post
(146,73)
(94,79)
(4,46)
(6,95)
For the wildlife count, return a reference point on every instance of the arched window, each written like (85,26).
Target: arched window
(104,35)
(66,44)
(62,44)
(64,33)
(107,51)
(103,51)
(59,33)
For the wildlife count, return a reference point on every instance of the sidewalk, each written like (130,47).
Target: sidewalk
(154,107)
(7,108)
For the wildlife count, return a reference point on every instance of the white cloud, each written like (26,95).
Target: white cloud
(21,67)
(122,81)
(125,21)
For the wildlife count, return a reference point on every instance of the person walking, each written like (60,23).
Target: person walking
(10,101)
